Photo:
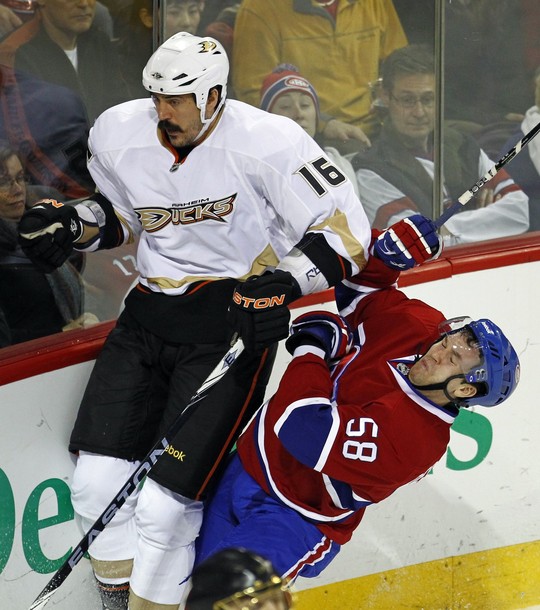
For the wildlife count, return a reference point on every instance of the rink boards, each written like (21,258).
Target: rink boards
(466,536)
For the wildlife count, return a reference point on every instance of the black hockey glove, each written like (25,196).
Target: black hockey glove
(47,232)
(258,311)
(322,329)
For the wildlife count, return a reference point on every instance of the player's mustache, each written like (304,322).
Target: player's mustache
(168,126)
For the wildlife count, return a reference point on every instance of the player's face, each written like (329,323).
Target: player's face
(69,16)
(451,356)
(299,107)
(411,107)
(182,16)
(12,189)
(179,117)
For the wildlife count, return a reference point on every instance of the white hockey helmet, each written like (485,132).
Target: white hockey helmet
(188,64)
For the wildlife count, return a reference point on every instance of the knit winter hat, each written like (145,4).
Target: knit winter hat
(283,79)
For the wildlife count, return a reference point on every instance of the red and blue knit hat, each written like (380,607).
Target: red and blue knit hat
(283,79)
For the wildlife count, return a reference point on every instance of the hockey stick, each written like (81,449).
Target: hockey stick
(129,487)
(468,195)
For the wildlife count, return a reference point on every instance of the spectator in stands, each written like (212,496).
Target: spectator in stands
(338,43)
(48,125)
(136,45)
(182,16)
(33,304)
(395,176)
(13,13)
(60,45)
(525,168)
(286,92)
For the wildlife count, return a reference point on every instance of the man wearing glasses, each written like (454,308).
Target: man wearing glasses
(395,176)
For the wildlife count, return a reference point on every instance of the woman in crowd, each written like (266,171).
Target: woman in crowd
(33,304)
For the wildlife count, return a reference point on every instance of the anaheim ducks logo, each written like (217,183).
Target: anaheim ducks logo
(207,46)
(155,219)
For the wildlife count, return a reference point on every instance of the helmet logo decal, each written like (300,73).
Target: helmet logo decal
(207,46)
(155,219)
(157,75)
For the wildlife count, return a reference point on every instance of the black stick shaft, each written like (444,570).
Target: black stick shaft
(469,194)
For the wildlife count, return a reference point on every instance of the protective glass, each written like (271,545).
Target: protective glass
(408,100)
(7,182)
(270,595)
(458,338)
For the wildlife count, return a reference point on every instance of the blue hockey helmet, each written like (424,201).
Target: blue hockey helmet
(499,370)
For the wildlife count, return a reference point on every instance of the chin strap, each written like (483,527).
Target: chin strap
(442,385)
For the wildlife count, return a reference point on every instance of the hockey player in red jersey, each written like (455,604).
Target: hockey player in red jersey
(364,407)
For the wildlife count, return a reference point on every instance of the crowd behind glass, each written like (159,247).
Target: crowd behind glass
(323,63)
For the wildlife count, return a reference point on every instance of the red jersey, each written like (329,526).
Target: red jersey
(331,442)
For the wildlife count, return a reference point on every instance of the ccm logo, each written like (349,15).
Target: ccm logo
(262,303)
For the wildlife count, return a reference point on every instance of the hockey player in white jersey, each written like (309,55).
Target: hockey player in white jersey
(227,200)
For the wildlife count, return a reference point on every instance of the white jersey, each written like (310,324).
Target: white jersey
(236,205)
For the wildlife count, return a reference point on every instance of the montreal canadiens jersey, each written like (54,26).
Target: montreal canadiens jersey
(236,205)
(331,442)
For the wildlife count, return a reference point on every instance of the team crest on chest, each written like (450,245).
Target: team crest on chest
(403,368)
(155,219)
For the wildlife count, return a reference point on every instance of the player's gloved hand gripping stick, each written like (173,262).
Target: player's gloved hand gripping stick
(132,483)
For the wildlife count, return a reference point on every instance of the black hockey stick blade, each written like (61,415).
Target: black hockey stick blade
(468,195)
(133,482)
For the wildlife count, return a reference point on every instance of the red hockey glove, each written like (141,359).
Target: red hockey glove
(409,242)
(47,232)
(258,311)
(322,329)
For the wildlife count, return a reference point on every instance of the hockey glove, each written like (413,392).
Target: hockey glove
(409,242)
(322,329)
(47,232)
(258,312)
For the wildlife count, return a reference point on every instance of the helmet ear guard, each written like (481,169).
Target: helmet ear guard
(499,370)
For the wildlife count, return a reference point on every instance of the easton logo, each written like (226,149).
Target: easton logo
(155,219)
